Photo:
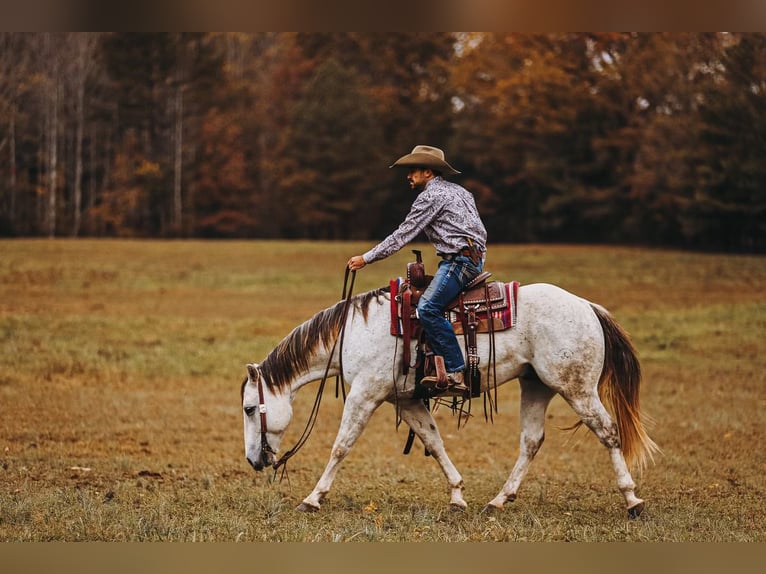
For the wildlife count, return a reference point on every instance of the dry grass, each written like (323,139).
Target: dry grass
(120,365)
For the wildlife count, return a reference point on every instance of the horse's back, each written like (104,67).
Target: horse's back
(544,302)
(560,328)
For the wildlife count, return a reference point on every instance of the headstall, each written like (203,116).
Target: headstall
(265,446)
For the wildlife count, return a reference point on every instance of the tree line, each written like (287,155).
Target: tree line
(635,138)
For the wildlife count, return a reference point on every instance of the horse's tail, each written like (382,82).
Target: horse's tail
(619,387)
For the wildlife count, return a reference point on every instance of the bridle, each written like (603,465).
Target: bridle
(265,446)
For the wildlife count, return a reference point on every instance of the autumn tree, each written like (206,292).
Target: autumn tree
(163,83)
(224,205)
(526,117)
(15,65)
(728,207)
(404,79)
(646,138)
(334,144)
(81,63)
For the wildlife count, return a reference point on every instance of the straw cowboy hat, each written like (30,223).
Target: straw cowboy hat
(426,156)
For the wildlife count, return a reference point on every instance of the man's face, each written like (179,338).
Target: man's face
(418,177)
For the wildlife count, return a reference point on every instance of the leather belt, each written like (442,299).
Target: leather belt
(450,256)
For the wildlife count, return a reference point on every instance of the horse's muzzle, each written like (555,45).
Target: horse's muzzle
(265,459)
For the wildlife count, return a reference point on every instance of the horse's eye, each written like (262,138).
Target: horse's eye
(249,411)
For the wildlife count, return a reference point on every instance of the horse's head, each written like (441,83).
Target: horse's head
(267,414)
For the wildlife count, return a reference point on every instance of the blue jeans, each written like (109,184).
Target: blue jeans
(446,285)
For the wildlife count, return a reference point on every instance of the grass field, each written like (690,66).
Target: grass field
(121,362)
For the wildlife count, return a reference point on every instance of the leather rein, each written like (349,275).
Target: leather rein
(265,446)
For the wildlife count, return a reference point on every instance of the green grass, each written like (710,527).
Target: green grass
(120,366)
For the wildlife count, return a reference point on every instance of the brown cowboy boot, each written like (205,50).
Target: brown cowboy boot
(454,385)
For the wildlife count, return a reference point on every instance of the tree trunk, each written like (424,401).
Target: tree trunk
(53,104)
(92,168)
(80,119)
(178,171)
(12,164)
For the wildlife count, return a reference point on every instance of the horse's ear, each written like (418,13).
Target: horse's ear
(252,372)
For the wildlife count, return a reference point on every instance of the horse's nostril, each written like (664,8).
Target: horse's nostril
(257,465)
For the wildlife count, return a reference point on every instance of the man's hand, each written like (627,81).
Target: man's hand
(356,262)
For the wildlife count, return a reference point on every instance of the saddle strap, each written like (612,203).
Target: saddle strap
(406,330)
(491,359)
(394,287)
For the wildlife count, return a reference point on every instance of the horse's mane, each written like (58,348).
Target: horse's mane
(291,356)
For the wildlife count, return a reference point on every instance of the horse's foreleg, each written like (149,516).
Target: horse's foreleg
(419,419)
(535,397)
(592,412)
(356,414)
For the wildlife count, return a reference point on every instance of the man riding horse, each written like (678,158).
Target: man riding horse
(447,214)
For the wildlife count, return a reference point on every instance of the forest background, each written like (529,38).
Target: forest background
(655,139)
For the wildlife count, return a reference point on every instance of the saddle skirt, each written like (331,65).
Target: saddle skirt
(495,301)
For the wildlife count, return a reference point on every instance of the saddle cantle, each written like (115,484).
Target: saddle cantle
(484,300)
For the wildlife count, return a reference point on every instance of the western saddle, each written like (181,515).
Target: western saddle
(474,311)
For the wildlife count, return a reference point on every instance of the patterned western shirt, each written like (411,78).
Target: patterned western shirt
(446,213)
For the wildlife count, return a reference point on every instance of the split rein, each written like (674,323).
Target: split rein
(339,382)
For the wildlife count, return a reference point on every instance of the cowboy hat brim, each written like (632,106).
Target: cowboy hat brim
(421,159)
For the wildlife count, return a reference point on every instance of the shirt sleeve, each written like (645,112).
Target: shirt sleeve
(423,211)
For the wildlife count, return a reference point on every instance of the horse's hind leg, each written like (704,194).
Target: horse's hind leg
(419,419)
(592,412)
(535,397)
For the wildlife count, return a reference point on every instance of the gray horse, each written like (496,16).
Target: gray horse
(561,344)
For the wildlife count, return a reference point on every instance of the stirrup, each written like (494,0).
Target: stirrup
(432,383)
(445,388)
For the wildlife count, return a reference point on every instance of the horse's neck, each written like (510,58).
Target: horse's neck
(374,322)
(316,373)
(322,363)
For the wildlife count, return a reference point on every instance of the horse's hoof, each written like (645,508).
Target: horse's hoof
(635,511)
(303,507)
(456,507)
(489,509)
